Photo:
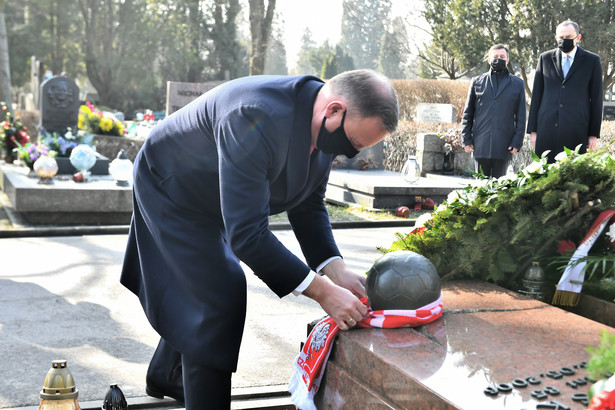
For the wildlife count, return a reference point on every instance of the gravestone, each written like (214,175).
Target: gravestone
(608,111)
(59,104)
(436,113)
(180,94)
(429,152)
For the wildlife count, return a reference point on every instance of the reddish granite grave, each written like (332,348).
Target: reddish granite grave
(487,336)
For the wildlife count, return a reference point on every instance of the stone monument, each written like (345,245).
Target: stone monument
(180,94)
(59,104)
(436,113)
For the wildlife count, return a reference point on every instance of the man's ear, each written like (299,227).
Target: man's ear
(334,108)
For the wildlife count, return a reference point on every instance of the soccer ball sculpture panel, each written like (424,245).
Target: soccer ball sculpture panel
(402,280)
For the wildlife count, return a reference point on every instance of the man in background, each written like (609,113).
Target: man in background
(566,108)
(493,122)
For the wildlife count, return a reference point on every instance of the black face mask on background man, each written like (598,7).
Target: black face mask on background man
(565,44)
(336,142)
(498,64)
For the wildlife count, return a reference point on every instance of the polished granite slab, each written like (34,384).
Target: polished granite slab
(487,336)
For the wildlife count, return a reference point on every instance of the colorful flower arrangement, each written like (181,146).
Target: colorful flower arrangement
(452,140)
(95,121)
(62,145)
(30,152)
(13,133)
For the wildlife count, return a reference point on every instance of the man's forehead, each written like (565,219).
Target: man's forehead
(565,30)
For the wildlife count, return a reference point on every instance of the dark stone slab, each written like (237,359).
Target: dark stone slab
(109,146)
(487,336)
(101,167)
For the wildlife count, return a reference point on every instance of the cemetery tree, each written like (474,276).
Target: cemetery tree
(363,26)
(275,61)
(112,44)
(434,61)
(5,71)
(394,50)
(261,17)
(598,30)
(336,62)
(303,61)
(225,56)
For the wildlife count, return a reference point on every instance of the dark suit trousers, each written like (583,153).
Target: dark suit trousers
(491,167)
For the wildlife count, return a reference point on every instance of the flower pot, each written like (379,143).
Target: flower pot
(448,167)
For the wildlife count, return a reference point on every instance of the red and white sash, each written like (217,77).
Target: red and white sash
(570,284)
(311,361)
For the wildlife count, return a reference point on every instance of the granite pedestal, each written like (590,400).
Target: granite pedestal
(96,202)
(384,189)
(487,336)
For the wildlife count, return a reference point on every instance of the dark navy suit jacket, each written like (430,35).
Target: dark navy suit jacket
(564,112)
(205,183)
(494,120)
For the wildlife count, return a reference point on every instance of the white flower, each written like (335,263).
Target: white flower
(533,167)
(452,196)
(611,232)
(561,156)
(440,208)
(422,220)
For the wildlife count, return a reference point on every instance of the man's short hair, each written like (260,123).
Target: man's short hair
(569,23)
(370,94)
(498,47)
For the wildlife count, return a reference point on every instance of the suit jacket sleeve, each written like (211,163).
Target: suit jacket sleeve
(537,91)
(312,228)
(468,116)
(596,90)
(248,149)
(517,141)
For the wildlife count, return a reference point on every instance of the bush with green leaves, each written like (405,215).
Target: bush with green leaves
(494,230)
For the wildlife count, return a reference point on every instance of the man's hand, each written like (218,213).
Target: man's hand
(339,303)
(338,272)
(591,143)
(513,150)
(468,148)
(533,139)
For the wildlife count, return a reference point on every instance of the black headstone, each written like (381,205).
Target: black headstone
(59,104)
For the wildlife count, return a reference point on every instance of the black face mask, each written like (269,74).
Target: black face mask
(336,142)
(565,44)
(498,64)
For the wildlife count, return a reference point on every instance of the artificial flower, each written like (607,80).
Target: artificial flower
(565,246)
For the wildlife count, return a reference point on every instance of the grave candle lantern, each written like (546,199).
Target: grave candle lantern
(83,157)
(45,167)
(534,282)
(121,169)
(411,171)
(59,391)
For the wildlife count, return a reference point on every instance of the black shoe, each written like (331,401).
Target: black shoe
(164,375)
(174,393)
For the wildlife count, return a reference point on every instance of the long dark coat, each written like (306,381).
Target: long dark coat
(205,183)
(493,121)
(565,112)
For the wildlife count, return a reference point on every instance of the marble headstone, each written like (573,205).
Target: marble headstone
(436,113)
(180,94)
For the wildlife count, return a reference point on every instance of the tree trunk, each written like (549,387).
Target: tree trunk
(260,29)
(5,72)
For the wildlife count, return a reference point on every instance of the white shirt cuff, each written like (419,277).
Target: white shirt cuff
(303,285)
(311,275)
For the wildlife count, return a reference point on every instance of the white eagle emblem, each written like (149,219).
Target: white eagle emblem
(320,336)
